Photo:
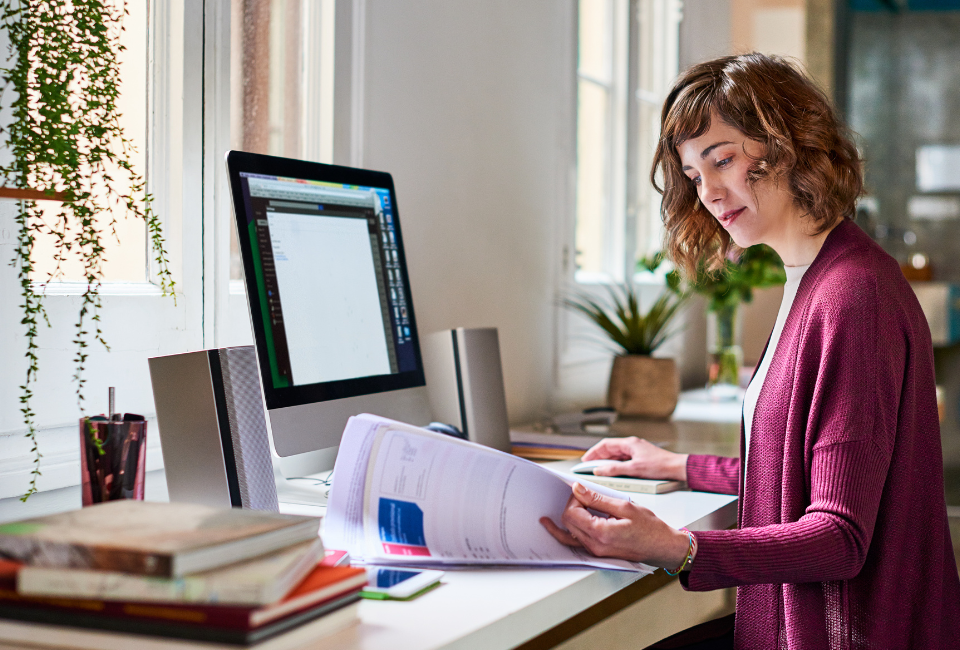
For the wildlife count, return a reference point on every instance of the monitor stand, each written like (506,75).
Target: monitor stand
(293,430)
(304,479)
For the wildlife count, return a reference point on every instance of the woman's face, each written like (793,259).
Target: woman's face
(717,163)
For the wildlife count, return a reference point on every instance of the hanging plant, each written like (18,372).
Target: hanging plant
(60,87)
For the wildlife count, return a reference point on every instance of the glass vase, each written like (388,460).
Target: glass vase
(726,355)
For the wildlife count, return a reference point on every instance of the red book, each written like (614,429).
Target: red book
(335,558)
(324,589)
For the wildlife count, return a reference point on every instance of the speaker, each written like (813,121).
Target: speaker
(213,428)
(465,383)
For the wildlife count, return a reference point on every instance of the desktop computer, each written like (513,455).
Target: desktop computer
(335,332)
(330,303)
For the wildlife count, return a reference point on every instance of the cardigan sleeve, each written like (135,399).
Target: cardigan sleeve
(847,387)
(829,542)
(713,474)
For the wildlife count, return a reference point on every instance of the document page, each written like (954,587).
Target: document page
(405,495)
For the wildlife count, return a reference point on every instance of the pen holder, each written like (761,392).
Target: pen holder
(112,458)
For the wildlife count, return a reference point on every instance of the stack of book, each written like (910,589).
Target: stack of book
(175,570)
(549,446)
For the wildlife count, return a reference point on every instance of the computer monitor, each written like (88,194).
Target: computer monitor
(329,299)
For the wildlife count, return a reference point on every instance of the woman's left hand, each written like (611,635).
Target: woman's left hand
(630,533)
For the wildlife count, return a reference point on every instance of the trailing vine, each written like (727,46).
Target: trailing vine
(61,86)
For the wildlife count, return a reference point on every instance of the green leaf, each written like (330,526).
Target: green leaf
(758,266)
(623,320)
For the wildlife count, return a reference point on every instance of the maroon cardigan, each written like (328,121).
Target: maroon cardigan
(843,539)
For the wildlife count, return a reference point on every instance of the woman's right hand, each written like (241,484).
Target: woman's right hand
(638,458)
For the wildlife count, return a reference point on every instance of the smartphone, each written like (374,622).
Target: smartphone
(390,582)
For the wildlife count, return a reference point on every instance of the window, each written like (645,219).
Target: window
(126,254)
(627,58)
(281,104)
(162,99)
(627,52)
(185,63)
(281,83)
(657,47)
(601,136)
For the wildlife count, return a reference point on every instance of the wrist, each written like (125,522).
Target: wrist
(677,469)
(681,548)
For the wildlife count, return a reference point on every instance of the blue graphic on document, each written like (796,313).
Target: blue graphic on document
(401,522)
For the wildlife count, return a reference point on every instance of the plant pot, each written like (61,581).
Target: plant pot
(643,386)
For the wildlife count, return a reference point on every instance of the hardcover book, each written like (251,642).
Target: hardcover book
(262,580)
(326,589)
(336,613)
(150,538)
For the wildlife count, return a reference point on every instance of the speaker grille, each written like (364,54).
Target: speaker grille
(248,428)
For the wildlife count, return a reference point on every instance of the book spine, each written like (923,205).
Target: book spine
(286,607)
(215,615)
(55,554)
(545,453)
(73,583)
(124,560)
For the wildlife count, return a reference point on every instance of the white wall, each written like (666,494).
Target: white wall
(470,106)
(704,31)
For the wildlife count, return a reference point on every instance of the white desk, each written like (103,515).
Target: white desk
(510,608)
(481,609)
(478,609)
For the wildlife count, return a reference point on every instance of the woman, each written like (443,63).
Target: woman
(842,539)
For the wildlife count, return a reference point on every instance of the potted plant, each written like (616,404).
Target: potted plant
(726,288)
(640,384)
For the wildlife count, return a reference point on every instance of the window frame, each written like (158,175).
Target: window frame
(189,113)
(645,51)
(615,138)
(652,28)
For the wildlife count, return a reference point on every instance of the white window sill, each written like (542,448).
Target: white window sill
(642,278)
(106,289)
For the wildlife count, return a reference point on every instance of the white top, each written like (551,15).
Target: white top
(794,275)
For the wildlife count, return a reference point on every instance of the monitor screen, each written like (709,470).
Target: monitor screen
(326,280)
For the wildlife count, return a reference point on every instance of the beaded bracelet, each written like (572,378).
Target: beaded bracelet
(691,551)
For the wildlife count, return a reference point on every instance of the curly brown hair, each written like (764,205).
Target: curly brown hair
(770,101)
